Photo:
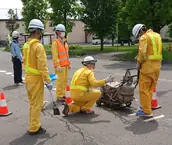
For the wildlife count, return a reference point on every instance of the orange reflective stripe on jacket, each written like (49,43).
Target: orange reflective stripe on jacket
(26,49)
(63,53)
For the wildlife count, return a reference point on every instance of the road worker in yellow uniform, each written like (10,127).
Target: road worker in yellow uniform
(36,73)
(81,89)
(149,63)
(61,61)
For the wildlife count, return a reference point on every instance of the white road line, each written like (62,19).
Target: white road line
(8,73)
(54,89)
(153,118)
(2,71)
(133,114)
(118,74)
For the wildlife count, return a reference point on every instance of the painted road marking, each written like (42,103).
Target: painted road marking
(154,118)
(118,74)
(54,89)
(133,114)
(2,71)
(8,73)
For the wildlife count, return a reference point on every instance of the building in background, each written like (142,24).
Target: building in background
(77,36)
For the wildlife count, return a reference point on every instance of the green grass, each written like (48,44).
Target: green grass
(110,48)
(78,50)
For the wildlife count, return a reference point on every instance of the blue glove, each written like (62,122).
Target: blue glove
(49,86)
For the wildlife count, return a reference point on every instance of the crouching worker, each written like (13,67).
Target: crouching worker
(83,97)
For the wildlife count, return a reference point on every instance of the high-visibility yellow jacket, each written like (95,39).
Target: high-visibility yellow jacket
(34,59)
(150,52)
(83,79)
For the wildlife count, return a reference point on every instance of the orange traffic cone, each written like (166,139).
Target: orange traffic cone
(3,106)
(155,104)
(68,99)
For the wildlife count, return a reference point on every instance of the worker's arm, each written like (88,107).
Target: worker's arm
(54,52)
(15,50)
(13,53)
(93,82)
(24,54)
(142,50)
(42,63)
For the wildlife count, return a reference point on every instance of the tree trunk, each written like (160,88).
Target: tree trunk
(101,48)
(112,41)
(113,37)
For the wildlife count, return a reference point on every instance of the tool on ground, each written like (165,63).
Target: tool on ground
(119,94)
(56,110)
(3,106)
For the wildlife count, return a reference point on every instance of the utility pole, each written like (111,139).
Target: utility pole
(16,14)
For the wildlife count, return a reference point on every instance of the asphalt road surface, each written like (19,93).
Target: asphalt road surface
(106,127)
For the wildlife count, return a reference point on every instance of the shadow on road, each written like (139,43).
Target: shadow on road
(11,87)
(162,93)
(140,127)
(79,118)
(32,140)
(121,113)
(121,65)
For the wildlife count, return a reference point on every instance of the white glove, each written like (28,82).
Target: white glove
(59,69)
(110,78)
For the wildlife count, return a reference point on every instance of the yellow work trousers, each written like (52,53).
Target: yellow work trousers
(83,101)
(35,91)
(147,82)
(61,82)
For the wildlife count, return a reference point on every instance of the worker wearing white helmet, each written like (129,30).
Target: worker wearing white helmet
(16,58)
(80,90)
(61,61)
(149,63)
(36,73)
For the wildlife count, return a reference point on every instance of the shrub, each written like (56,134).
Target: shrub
(73,47)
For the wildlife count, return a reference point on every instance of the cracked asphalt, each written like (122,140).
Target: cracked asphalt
(106,127)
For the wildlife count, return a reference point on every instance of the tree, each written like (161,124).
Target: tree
(34,9)
(154,13)
(63,11)
(100,16)
(123,27)
(12,24)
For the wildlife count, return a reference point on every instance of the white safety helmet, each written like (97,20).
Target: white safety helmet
(89,60)
(136,29)
(35,24)
(60,27)
(15,34)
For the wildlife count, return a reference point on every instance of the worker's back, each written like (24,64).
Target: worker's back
(150,66)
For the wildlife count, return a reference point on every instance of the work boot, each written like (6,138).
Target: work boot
(141,113)
(87,111)
(40,131)
(66,110)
